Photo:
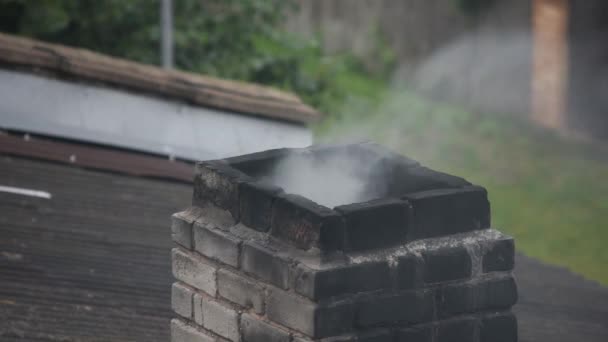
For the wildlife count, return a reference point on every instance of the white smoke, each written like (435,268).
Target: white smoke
(338,180)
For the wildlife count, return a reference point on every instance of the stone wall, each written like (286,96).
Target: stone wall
(255,264)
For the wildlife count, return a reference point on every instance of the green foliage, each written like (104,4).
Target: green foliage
(234,39)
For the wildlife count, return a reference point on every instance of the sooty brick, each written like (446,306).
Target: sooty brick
(217,245)
(380,335)
(312,319)
(240,290)
(446,264)
(457,330)
(496,293)
(265,264)
(498,255)
(501,327)
(354,278)
(253,329)
(217,183)
(448,211)
(407,307)
(256,199)
(415,334)
(194,271)
(375,224)
(409,271)
(305,224)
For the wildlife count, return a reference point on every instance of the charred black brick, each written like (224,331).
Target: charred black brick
(498,293)
(310,318)
(445,264)
(457,330)
(264,264)
(448,211)
(256,204)
(320,284)
(457,298)
(415,334)
(500,327)
(404,179)
(440,179)
(382,335)
(409,271)
(215,182)
(306,224)
(408,307)
(253,329)
(375,224)
(498,255)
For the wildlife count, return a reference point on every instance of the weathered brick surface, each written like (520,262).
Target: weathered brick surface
(445,264)
(415,334)
(306,224)
(495,293)
(381,335)
(181,300)
(221,319)
(256,204)
(387,218)
(181,229)
(182,332)
(255,330)
(448,211)
(500,327)
(217,183)
(498,255)
(354,278)
(197,309)
(376,335)
(194,271)
(240,290)
(408,307)
(457,330)
(307,317)
(409,271)
(216,245)
(265,264)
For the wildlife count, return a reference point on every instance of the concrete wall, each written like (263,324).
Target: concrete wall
(98,114)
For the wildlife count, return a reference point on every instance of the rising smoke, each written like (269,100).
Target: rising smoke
(337,180)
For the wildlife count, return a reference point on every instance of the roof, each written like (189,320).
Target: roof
(93,262)
(67,62)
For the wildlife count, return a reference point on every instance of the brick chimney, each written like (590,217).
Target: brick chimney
(417,262)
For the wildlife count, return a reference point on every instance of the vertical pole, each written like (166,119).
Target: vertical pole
(166,15)
(550,62)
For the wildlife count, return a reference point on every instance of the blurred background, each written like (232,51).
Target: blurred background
(510,94)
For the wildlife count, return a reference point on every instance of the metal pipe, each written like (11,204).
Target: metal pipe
(166,15)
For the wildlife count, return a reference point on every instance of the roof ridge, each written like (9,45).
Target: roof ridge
(198,89)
